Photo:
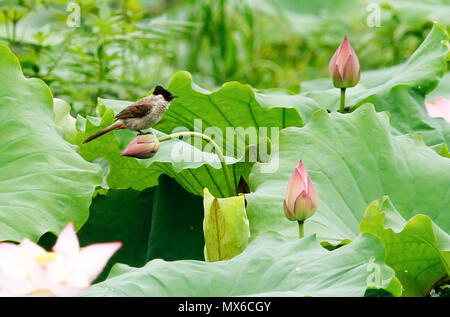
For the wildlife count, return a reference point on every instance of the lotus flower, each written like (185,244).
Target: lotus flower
(143,146)
(440,109)
(300,201)
(344,66)
(26,269)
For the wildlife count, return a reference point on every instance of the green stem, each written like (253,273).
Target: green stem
(14,20)
(342,108)
(218,152)
(6,24)
(301,229)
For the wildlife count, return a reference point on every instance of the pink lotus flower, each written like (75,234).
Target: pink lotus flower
(143,146)
(26,269)
(300,201)
(344,66)
(440,109)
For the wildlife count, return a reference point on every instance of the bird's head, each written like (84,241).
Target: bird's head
(159,90)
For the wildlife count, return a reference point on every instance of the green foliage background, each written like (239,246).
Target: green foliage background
(382,172)
(122,49)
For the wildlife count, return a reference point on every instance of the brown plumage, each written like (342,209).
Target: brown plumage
(137,109)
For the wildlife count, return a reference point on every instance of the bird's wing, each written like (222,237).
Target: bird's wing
(136,110)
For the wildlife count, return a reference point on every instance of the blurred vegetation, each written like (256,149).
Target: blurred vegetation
(123,48)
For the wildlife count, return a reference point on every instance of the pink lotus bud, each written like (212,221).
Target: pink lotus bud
(344,66)
(300,201)
(143,146)
(440,109)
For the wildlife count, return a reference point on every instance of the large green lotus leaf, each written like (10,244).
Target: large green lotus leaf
(127,172)
(418,250)
(270,266)
(410,82)
(352,160)
(234,105)
(44,183)
(304,105)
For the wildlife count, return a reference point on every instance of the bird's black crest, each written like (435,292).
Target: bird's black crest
(159,90)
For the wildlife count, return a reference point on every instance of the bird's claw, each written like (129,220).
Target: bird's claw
(144,133)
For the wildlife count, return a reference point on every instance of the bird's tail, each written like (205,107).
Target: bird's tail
(115,125)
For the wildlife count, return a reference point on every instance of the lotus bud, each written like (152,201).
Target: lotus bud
(225,227)
(300,201)
(143,146)
(344,66)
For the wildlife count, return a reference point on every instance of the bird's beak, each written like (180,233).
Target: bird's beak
(173,96)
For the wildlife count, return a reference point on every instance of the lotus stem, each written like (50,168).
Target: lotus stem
(342,108)
(217,148)
(301,228)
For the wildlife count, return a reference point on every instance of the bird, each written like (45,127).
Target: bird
(140,115)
